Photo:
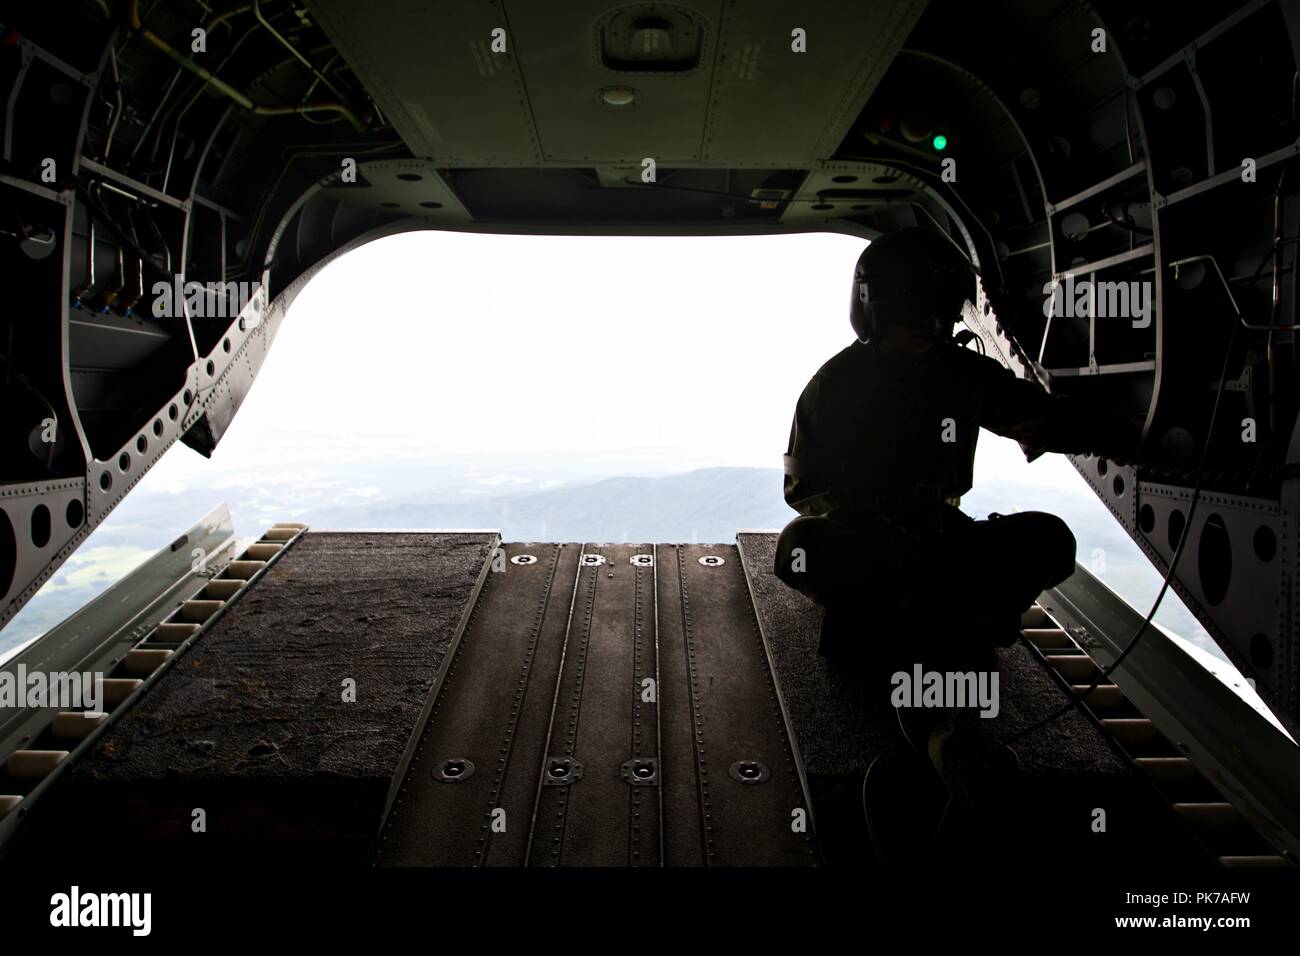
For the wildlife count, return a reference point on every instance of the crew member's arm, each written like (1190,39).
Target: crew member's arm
(809,470)
(1041,422)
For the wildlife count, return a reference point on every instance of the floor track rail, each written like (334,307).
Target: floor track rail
(606,705)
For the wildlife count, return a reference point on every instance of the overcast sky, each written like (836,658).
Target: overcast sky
(653,354)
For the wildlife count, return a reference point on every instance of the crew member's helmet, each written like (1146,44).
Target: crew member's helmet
(911,277)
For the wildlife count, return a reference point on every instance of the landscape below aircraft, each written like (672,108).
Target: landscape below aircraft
(1122,177)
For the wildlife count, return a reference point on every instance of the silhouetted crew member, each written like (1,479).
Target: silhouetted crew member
(883,446)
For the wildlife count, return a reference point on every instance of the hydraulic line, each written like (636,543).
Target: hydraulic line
(239,98)
(133,15)
(117,109)
(209,26)
(86,194)
(257,12)
(88,281)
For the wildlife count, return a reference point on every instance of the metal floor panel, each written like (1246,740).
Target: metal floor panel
(444,811)
(592,820)
(736,715)
(614,713)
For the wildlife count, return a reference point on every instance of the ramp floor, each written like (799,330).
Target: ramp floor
(255,725)
(607,705)
(1043,808)
(558,705)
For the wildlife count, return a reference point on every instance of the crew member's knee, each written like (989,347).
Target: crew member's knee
(815,555)
(1053,543)
(792,547)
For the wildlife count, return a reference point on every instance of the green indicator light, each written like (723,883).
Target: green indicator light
(940,142)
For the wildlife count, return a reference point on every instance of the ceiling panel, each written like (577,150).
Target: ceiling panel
(714,83)
(772,106)
(569,55)
(431,69)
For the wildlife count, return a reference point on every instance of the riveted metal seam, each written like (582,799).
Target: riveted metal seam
(505,749)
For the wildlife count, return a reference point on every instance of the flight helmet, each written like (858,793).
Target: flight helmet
(913,276)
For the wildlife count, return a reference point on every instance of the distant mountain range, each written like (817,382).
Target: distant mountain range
(704,505)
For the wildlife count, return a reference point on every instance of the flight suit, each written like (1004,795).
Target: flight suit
(881,449)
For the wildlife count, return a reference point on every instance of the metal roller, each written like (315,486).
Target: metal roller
(76,724)
(33,764)
(142,660)
(118,689)
(196,612)
(1047,638)
(243,570)
(261,551)
(222,589)
(171,632)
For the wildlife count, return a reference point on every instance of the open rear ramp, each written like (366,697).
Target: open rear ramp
(437,699)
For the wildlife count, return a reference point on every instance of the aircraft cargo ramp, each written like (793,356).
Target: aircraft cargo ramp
(422,698)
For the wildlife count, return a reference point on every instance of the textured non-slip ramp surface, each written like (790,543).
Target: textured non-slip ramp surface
(842,719)
(608,705)
(252,725)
